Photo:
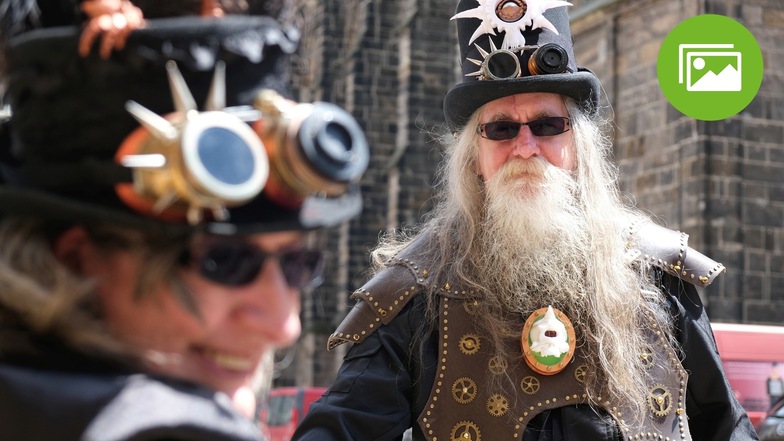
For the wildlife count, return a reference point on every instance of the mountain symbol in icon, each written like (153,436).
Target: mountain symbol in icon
(728,80)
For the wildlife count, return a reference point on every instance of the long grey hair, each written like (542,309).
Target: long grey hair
(587,270)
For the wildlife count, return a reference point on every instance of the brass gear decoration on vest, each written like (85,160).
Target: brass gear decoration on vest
(466,431)
(580,373)
(647,358)
(464,390)
(470,306)
(660,400)
(530,385)
(497,365)
(469,344)
(497,405)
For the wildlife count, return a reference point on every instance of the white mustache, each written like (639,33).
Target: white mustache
(515,167)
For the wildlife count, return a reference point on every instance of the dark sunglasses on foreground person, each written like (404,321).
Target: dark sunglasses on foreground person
(236,263)
(505,130)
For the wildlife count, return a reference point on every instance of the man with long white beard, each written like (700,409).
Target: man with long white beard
(533,303)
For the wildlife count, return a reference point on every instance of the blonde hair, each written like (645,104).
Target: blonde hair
(42,294)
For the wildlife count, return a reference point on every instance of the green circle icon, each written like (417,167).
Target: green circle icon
(710,67)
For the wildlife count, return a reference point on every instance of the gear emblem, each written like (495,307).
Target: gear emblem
(497,405)
(497,365)
(660,400)
(466,431)
(464,390)
(530,385)
(647,357)
(470,306)
(469,344)
(580,373)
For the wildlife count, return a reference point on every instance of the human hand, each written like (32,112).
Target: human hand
(113,21)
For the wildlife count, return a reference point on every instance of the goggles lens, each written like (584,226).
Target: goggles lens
(239,263)
(505,130)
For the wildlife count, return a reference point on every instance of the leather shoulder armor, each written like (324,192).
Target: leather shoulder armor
(380,300)
(669,250)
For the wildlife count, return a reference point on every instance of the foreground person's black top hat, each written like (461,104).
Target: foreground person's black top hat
(211,152)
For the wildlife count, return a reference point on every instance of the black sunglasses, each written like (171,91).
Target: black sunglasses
(504,130)
(239,263)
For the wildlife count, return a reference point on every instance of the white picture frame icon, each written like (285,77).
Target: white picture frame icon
(692,56)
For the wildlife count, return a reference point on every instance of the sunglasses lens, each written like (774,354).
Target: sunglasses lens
(505,130)
(501,130)
(550,126)
(237,264)
(302,269)
(232,264)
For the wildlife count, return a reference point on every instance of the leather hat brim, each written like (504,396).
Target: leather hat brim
(259,216)
(465,98)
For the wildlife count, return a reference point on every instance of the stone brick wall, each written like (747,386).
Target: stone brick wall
(390,62)
(721,181)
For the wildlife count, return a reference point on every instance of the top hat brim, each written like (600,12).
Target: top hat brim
(465,98)
(260,216)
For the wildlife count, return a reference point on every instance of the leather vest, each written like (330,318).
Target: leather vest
(462,406)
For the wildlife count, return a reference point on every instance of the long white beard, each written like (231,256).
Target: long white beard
(546,238)
(535,240)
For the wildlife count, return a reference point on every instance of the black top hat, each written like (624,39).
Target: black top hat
(71,114)
(515,46)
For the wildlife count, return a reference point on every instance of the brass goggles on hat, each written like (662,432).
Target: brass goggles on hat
(503,64)
(193,164)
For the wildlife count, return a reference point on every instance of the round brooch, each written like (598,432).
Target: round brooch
(548,341)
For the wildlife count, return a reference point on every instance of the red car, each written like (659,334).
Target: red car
(287,406)
(750,354)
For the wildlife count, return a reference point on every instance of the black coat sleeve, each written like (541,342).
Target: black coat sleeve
(714,411)
(373,397)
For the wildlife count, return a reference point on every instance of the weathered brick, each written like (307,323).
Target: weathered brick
(763,132)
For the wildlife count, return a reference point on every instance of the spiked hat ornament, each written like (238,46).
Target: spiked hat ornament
(123,139)
(515,46)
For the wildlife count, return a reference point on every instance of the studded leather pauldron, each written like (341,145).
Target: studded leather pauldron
(669,250)
(380,300)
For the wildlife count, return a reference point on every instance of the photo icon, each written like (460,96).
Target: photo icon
(710,68)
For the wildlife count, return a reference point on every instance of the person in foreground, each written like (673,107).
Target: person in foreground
(153,250)
(533,304)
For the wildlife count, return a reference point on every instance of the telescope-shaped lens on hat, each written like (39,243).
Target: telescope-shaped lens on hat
(549,58)
(193,163)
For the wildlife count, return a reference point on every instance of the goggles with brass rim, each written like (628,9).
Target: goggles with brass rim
(195,165)
(503,64)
